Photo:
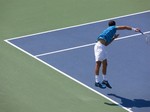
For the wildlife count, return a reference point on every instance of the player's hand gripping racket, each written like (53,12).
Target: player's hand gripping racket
(147,37)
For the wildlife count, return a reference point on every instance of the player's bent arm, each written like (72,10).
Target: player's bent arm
(115,36)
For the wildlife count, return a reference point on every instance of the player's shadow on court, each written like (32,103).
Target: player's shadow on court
(139,103)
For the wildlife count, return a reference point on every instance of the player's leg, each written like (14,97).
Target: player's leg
(104,68)
(97,80)
(104,71)
(97,67)
(97,52)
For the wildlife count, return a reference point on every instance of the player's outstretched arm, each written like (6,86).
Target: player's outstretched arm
(128,28)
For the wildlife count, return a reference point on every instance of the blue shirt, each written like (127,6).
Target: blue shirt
(108,34)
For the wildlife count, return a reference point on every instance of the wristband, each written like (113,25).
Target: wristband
(134,29)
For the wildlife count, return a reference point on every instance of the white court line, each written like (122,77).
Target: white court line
(86,45)
(63,50)
(8,41)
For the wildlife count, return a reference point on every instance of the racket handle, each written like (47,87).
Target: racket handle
(141,32)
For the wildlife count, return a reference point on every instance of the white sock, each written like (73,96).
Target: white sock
(104,77)
(96,78)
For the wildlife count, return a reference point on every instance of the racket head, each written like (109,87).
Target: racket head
(147,38)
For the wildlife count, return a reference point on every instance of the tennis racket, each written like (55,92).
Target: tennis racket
(147,37)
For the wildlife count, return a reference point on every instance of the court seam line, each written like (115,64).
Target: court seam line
(74,26)
(86,45)
(67,75)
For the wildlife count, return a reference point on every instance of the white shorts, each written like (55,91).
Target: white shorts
(100,52)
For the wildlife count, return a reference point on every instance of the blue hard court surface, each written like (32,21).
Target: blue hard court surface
(128,61)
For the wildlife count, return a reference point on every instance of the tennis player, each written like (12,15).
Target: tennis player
(103,40)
